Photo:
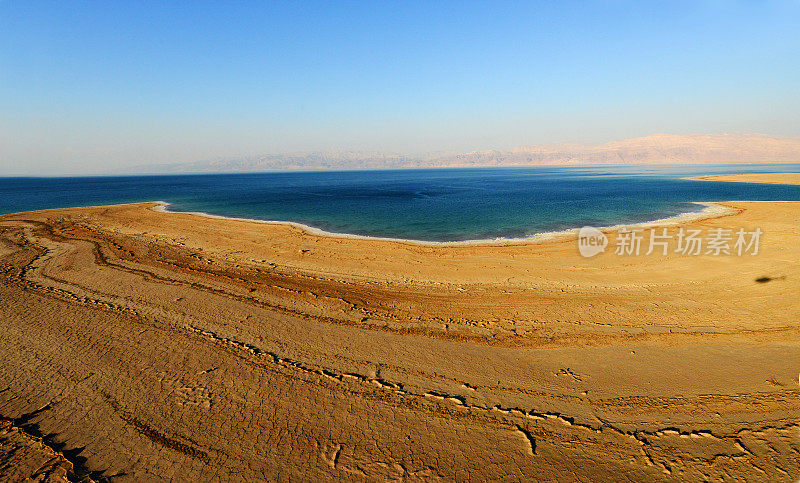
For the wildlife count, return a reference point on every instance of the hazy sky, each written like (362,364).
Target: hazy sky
(94,86)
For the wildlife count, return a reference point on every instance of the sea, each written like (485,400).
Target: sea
(441,205)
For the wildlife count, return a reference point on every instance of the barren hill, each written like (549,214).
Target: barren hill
(654,149)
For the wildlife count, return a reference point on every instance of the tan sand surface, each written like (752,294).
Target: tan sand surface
(149,345)
(25,456)
(772,178)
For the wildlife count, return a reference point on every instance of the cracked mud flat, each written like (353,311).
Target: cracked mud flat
(139,345)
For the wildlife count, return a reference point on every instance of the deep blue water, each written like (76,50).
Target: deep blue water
(425,204)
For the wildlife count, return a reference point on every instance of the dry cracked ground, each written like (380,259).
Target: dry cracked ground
(139,346)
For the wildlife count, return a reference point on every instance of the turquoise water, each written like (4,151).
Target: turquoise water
(425,204)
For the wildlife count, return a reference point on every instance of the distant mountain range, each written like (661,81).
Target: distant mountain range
(655,149)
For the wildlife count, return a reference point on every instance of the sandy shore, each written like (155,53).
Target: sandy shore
(147,345)
(771,178)
(710,210)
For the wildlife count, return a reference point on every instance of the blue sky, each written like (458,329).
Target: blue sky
(92,86)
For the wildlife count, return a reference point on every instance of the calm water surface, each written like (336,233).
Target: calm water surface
(420,204)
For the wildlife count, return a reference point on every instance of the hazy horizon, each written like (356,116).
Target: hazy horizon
(122,84)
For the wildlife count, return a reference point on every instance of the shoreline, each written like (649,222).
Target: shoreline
(757,178)
(712,209)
